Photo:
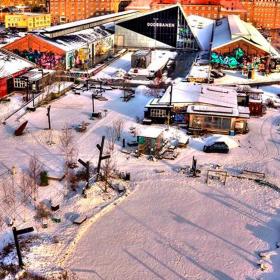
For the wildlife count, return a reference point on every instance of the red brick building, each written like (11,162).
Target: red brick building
(262,13)
(71,10)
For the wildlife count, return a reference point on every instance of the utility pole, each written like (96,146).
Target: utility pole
(26,84)
(101,157)
(49,116)
(92,99)
(86,165)
(170,103)
(16,233)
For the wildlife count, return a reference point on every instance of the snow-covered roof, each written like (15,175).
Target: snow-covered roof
(242,112)
(188,93)
(232,28)
(199,71)
(159,59)
(202,29)
(77,39)
(85,21)
(151,132)
(11,64)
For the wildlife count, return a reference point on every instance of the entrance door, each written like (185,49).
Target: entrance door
(10,85)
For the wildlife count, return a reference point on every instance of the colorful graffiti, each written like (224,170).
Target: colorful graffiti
(46,60)
(238,59)
(234,60)
(80,58)
(104,46)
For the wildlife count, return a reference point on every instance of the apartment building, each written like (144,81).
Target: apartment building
(63,11)
(262,13)
(6,3)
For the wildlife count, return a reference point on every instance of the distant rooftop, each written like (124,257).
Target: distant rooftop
(11,64)
(77,39)
(232,28)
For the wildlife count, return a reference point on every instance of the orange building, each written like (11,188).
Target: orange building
(6,3)
(71,10)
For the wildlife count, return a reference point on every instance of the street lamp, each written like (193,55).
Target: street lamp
(26,83)
(155,31)
(33,94)
(42,71)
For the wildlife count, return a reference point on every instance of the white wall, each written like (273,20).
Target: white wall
(135,40)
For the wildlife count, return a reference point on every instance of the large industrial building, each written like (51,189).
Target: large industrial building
(170,28)
(165,28)
(80,44)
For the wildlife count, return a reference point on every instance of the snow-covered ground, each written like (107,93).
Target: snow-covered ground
(236,77)
(171,226)
(271,93)
(175,227)
(121,64)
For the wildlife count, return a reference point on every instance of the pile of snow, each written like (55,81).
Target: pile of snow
(120,73)
(175,136)
(143,90)
(221,138)
(270,94)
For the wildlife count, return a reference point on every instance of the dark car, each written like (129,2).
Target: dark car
(217,74)
(217,147)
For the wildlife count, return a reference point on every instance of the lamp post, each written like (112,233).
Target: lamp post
(92,99)
(26,83)
(42,71)
(33,94)
(155,31)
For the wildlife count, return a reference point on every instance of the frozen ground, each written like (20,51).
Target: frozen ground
(171,226)
(122,64)
(235,77)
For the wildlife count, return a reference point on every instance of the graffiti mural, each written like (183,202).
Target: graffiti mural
(80,58)
(104,46)
(46,60)
(233,60)
(238,59)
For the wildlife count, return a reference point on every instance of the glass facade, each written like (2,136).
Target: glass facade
(168,26)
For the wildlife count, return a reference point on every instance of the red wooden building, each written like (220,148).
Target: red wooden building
(11,66)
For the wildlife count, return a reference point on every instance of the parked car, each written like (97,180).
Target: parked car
(217,74)
(217,147)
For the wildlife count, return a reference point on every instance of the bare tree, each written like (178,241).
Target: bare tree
(9,201)
(25,189)
(67,145)
(118,128)
(34,170)
(42,211)
(111,139)
(107,171)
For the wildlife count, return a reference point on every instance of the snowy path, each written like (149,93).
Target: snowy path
(171,227)
(166,231)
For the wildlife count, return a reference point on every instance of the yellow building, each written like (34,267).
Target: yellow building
(27,21)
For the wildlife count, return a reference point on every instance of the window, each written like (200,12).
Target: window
(159,113)
(18,83)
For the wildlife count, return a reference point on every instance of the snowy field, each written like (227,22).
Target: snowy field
(236,77)
(171,226)
(120,65)
(174,227)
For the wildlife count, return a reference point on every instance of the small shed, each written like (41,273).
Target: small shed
(141,59)
(150,140)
